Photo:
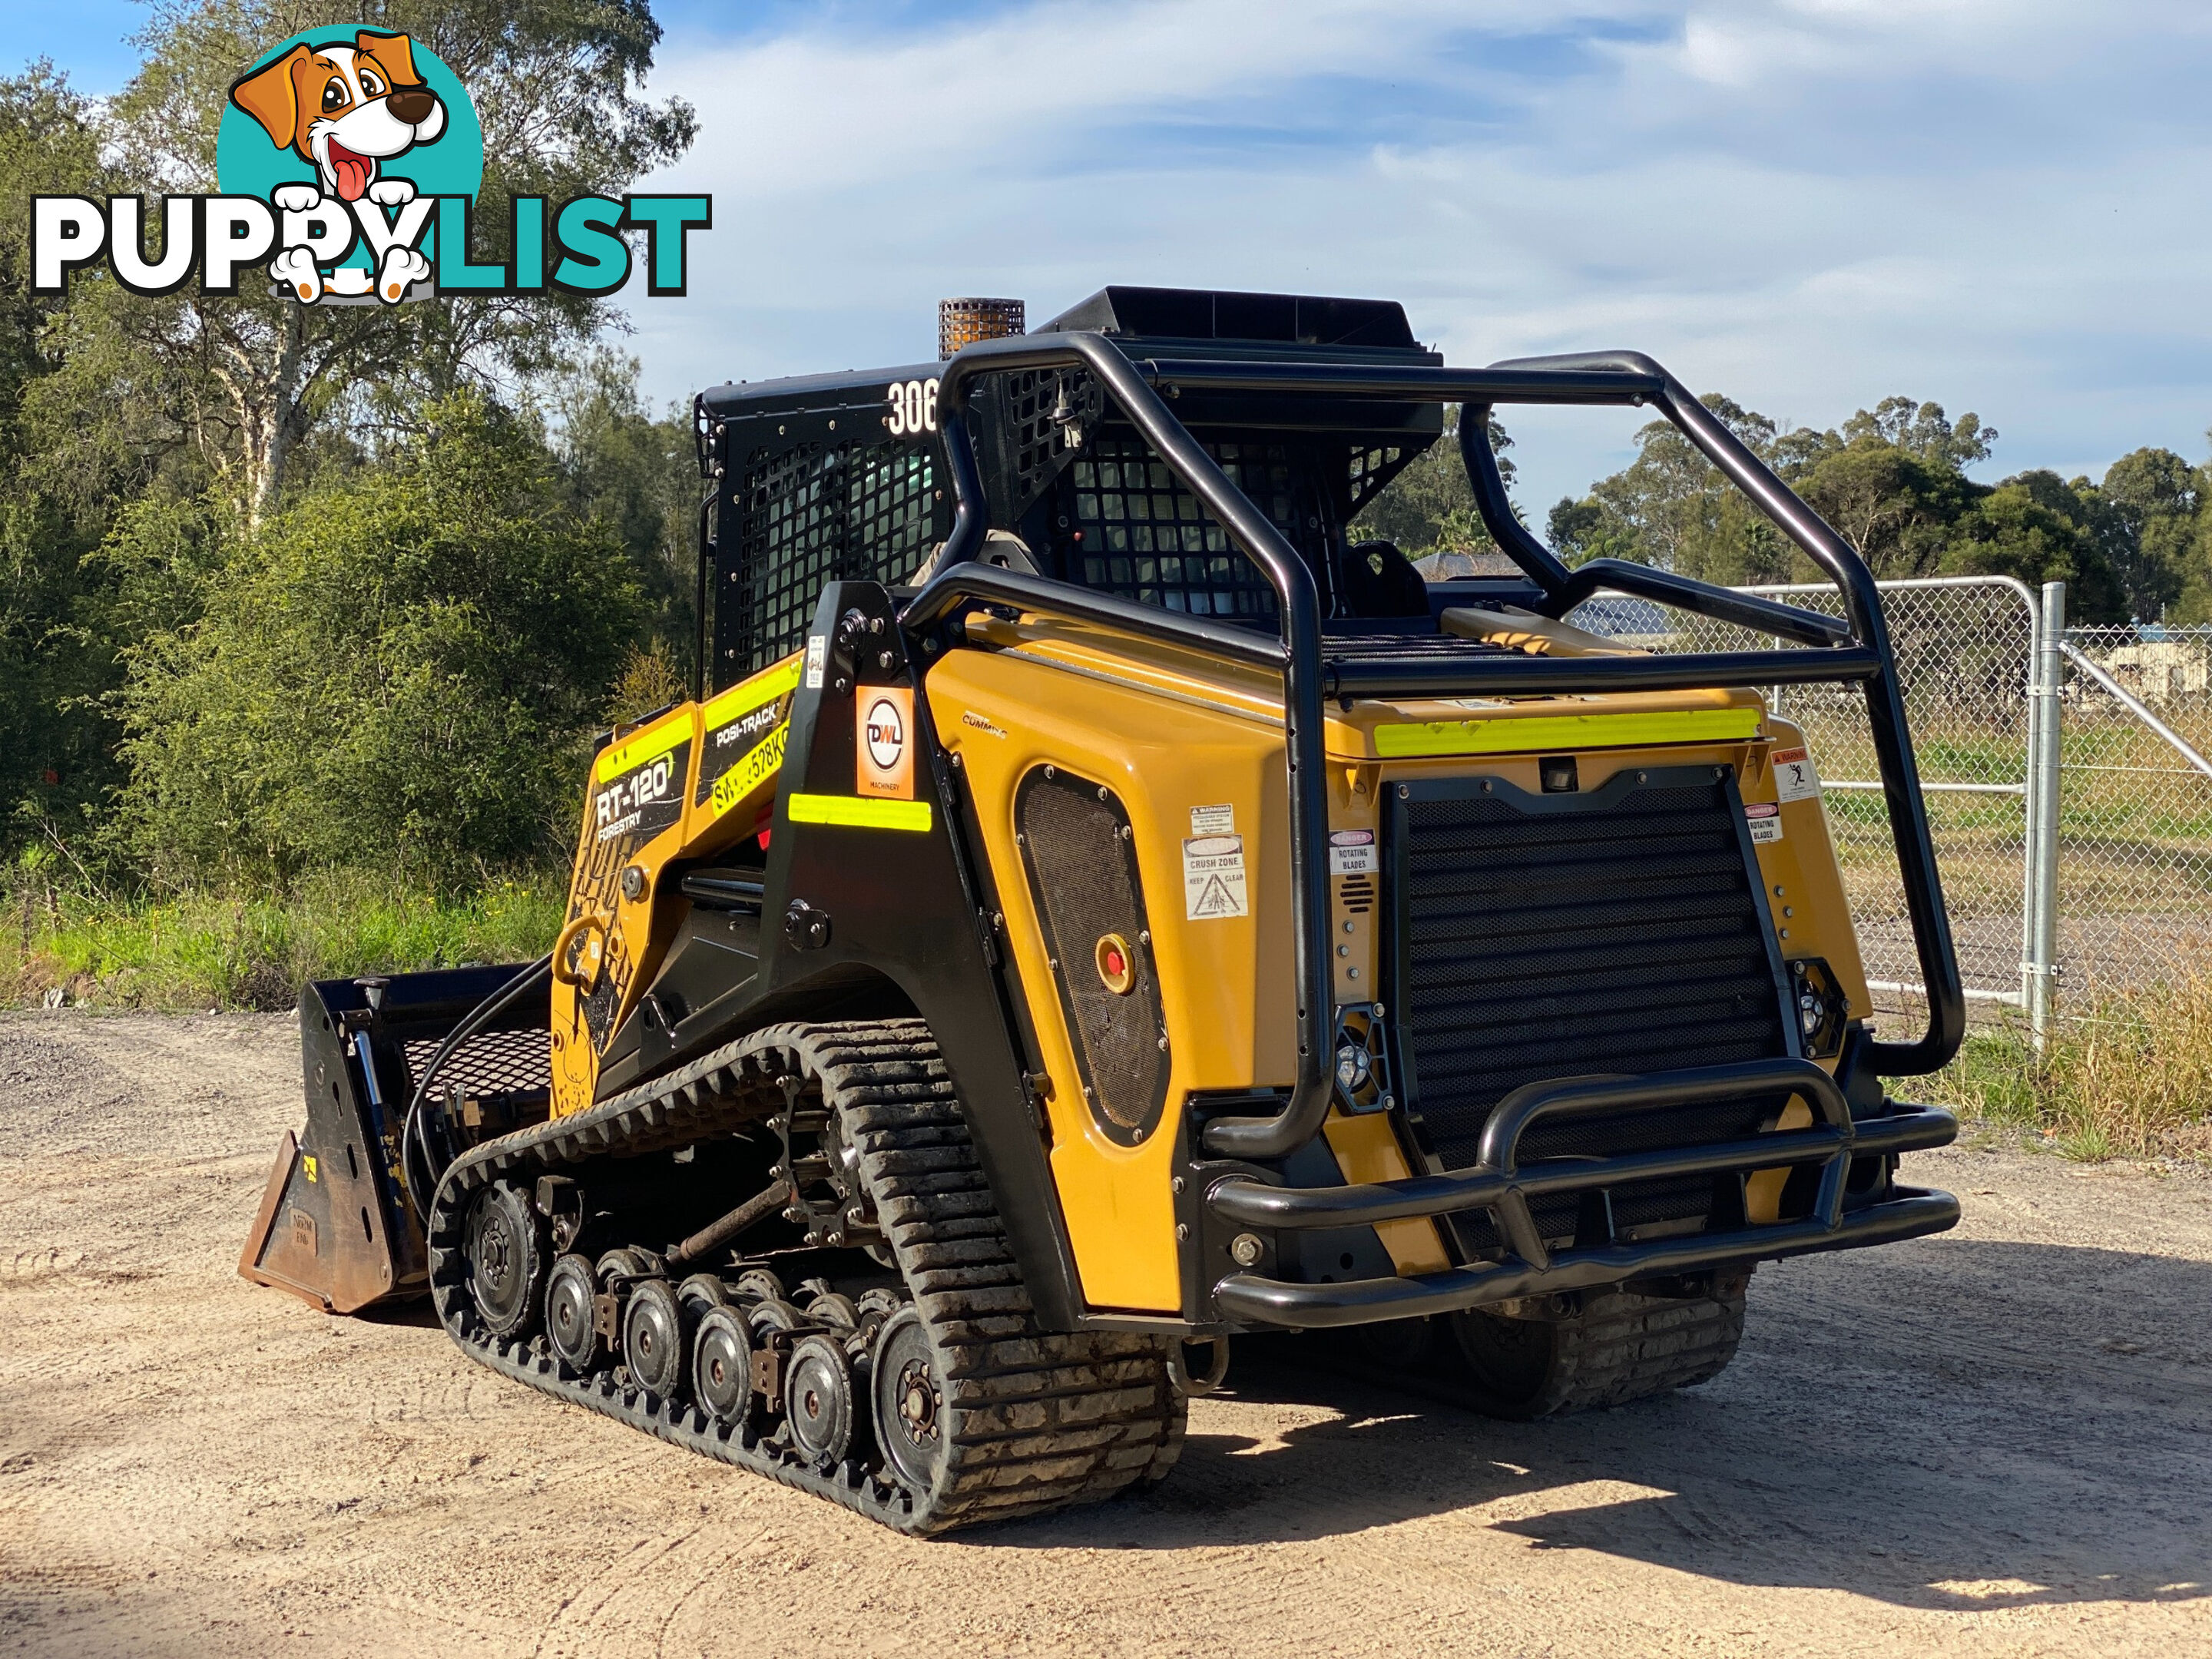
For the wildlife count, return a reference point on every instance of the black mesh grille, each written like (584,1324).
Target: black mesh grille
(1145,537)
(814,515)
(1037,443)
(488,1064)
(1084,881)
(1373,465)
(1622,934)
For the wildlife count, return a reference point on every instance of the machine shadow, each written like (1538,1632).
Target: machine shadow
(1908,1436)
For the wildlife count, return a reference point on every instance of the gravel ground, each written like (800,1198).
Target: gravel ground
(1996,1441)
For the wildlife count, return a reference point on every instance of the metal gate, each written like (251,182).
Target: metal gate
(2070,808)
(1965,646)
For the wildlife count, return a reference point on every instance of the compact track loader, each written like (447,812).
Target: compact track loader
(1094,907)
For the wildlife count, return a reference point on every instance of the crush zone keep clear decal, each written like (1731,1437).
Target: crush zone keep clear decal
(1214,879)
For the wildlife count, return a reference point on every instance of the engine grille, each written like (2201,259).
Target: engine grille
(1562,935)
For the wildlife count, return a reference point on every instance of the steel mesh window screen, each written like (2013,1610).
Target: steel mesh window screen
(1145,537)
(1371,467)
(814,515)
(891,508)
(1045,410)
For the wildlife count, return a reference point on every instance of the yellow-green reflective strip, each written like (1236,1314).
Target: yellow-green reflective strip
(649,746)
(1559,733)
(743,698)
(857,812)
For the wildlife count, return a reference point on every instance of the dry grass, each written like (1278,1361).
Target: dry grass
(2125,1074)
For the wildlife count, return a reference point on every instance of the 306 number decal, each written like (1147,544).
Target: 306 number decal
(913,407)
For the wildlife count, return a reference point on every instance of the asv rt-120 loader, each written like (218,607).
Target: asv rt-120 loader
(1094,906)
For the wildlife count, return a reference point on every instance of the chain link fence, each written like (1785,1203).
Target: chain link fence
(2134,807)
(2132,894)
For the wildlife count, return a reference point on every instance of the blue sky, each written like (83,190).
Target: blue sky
(1808,204)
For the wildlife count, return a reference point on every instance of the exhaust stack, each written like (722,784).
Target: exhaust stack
(963,322)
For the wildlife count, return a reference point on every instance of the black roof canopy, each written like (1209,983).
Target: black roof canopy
(1189,313)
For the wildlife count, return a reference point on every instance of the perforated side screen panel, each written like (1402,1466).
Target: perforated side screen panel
(1083,879)
(490,1063)
(813,514)
(1145,537)
(1036,443)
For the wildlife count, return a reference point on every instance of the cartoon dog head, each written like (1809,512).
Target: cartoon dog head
(344,108)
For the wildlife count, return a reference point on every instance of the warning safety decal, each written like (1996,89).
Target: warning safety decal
(1214,879)
(1764,819)
(1794,776)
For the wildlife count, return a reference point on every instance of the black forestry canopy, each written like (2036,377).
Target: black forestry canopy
(1189,313)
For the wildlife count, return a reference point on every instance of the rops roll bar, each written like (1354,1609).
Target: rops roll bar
(1855,649)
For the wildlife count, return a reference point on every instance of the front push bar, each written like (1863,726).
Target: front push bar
(1499,1184)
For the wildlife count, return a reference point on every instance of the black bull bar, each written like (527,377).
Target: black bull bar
(1498,1184)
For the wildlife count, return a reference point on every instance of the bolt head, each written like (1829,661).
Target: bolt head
(1246,1249)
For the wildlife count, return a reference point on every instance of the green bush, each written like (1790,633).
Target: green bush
(397,673)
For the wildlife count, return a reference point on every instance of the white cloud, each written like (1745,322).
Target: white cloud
(1810,204)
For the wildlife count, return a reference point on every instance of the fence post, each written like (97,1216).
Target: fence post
(2039,972)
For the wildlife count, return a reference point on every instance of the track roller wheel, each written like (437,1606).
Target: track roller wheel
(701,1292)
(835,1309)
(817,1401)
(909,1401)
(722,1366)
(655,1344)
(506,1251)
(571,1330)
(759,1284)
(774,1314)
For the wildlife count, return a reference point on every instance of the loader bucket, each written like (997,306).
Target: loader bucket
(337,1225)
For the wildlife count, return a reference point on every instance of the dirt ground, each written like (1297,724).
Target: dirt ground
(1997,1441)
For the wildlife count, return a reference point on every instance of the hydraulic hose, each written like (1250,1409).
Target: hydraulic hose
(417,1158)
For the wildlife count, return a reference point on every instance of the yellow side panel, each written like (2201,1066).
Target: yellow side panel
(1367,1150)
(1762,1188)
(1804,888)
(687,784)
(1225,983)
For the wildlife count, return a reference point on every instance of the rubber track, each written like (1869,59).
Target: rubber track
(1035,1421)
(1623,1348)
(1628,1347)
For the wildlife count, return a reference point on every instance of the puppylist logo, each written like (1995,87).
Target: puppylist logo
(348,163)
